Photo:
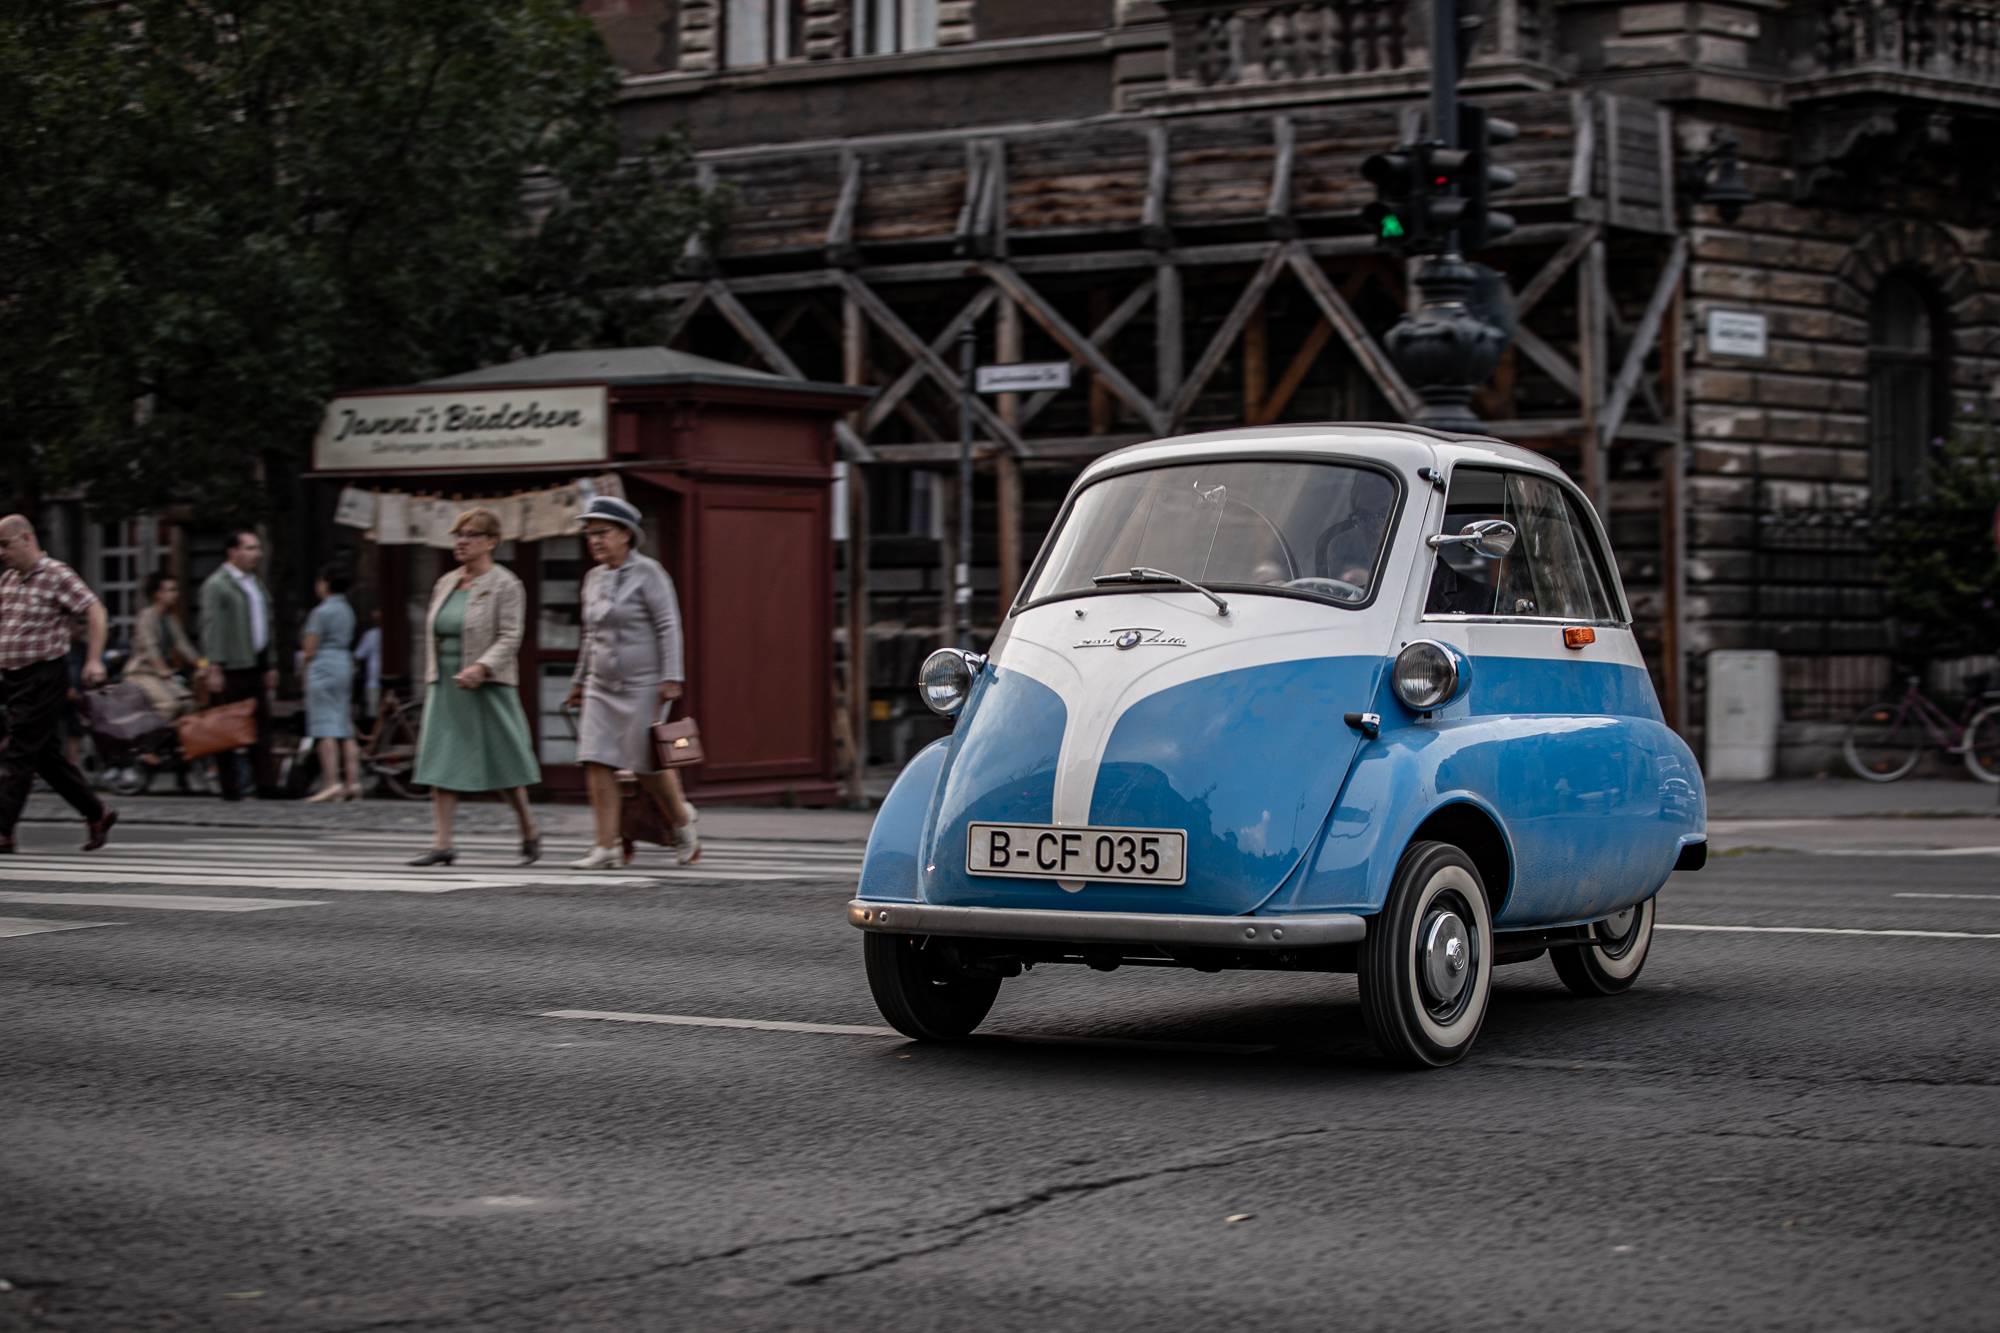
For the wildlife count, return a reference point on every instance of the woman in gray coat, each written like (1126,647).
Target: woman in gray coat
(629,669)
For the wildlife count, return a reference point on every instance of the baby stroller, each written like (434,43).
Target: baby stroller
(135,743)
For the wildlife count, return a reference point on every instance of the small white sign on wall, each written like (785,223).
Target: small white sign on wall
(1024,377)
(1738,333)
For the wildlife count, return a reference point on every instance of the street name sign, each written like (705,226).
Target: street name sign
(1024,377)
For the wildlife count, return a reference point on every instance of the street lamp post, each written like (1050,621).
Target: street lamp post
(968,347)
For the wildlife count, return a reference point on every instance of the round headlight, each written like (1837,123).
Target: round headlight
(1426,676)
(945,680)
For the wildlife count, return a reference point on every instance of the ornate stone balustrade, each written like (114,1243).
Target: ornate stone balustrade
(1901,45)
(1251,44)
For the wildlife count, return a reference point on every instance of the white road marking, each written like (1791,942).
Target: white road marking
(161,901)
(759,1024)
(854,1030)
(1977,897)
(375,864)
(1904,851)
(11,926)
(1835,930)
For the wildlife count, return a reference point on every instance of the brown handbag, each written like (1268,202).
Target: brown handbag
(213,730)
(677,744)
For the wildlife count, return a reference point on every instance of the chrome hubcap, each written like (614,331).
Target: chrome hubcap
(1446,956)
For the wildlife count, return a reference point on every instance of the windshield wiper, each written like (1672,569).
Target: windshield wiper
(1145,574)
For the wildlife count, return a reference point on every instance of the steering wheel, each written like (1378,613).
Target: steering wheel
(1338,588)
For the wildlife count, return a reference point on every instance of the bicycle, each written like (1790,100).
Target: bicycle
(389,750)
(1885,741)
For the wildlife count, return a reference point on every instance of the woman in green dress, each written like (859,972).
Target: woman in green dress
(475,735)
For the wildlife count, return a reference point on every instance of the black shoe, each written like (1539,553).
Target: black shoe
(100,829)
(436,856)
(531,850)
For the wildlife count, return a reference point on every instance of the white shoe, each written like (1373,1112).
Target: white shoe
(687,843)
(600,858)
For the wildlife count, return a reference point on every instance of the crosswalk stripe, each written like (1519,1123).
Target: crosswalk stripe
(10,926)
(164,902)
(856,1030)
(376,863)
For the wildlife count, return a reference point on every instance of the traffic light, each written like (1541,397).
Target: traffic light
(1478,224)
(1398,214)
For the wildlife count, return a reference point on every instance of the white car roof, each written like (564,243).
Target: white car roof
(1404,447)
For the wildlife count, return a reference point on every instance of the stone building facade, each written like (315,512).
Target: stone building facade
(1167,194)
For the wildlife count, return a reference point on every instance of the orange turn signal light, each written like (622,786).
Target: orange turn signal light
(1579,637)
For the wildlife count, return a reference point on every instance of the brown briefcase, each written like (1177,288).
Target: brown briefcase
(677,744)
(213,730)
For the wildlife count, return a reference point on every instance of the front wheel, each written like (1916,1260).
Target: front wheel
(131,780)
(1609,968)
(1883,742)
(923,996)
(1982,745)
(1427,964)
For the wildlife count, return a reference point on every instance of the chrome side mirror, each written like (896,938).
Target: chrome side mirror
(1489,537)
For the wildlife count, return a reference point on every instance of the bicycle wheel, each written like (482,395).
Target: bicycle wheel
(1883,742)
(394,756)
(1982,745)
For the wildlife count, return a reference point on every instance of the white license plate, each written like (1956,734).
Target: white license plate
(1052,851)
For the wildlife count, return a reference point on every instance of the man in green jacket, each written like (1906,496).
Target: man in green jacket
(237,636)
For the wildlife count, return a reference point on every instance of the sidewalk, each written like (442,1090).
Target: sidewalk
(566,822)
(1850,798)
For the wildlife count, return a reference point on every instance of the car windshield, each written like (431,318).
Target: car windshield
(1311,529)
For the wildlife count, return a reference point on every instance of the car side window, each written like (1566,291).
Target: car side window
(1553,570)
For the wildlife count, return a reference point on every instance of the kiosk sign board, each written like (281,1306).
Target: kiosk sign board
(465,428)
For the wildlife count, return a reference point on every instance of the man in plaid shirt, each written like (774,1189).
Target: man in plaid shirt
(39,597)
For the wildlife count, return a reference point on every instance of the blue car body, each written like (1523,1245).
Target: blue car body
(1142,707)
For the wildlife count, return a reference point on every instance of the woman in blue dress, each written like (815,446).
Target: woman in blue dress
(329,673)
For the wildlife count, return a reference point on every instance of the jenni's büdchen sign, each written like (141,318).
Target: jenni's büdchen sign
(466,428)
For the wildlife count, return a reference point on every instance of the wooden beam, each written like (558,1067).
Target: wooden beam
(975,197)
(1545,278)
(1295,374)
(1078,346)
(916,349)
(840,248)
(1256,361)
(1278,219)
(1153,228)
(1673,518)
(857,630)
(1642,341)
(1591,333)
(745,323)
(1225,337)
(1549,359)
(1353,332)
(690,306)
(1101,336)
(1167,334)
(892,396)
(1007,485)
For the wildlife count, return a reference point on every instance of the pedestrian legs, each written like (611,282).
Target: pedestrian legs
(237,685)
(35,696)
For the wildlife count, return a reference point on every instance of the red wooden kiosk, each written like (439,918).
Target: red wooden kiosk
(733,469)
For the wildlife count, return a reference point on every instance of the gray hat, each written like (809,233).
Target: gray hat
(612,510)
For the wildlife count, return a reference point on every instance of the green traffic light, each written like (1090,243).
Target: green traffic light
(1392,226)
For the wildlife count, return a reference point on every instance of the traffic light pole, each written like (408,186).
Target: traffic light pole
(1444,351)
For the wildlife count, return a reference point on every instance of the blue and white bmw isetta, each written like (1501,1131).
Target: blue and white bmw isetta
(1345,698)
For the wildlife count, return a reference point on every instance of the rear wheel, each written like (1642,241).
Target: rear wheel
(1609,968)
(1982,745)
(1427,964)
(1884,741)
(922,995)
(130,780)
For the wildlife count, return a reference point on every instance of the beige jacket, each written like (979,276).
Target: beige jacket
(496,609)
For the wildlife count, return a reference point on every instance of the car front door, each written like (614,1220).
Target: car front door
(1564,735)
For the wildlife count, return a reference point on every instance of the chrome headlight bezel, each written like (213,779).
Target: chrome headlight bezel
(944,681)
(1427,675)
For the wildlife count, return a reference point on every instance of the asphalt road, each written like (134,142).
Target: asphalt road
(355,1115)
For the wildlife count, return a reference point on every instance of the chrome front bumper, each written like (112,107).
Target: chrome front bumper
(1019,923)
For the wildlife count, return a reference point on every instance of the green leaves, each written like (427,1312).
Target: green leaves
(1938,557)
(221,214)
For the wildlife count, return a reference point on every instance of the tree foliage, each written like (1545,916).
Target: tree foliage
(1937,553)
(219,213)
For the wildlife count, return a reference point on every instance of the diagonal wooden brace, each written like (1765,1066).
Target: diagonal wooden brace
(1642,341)
(1353,332)
(1079,347)
(918,350)
(887,400)
(1225,337)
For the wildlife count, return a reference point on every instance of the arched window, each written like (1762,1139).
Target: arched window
(1905,381)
